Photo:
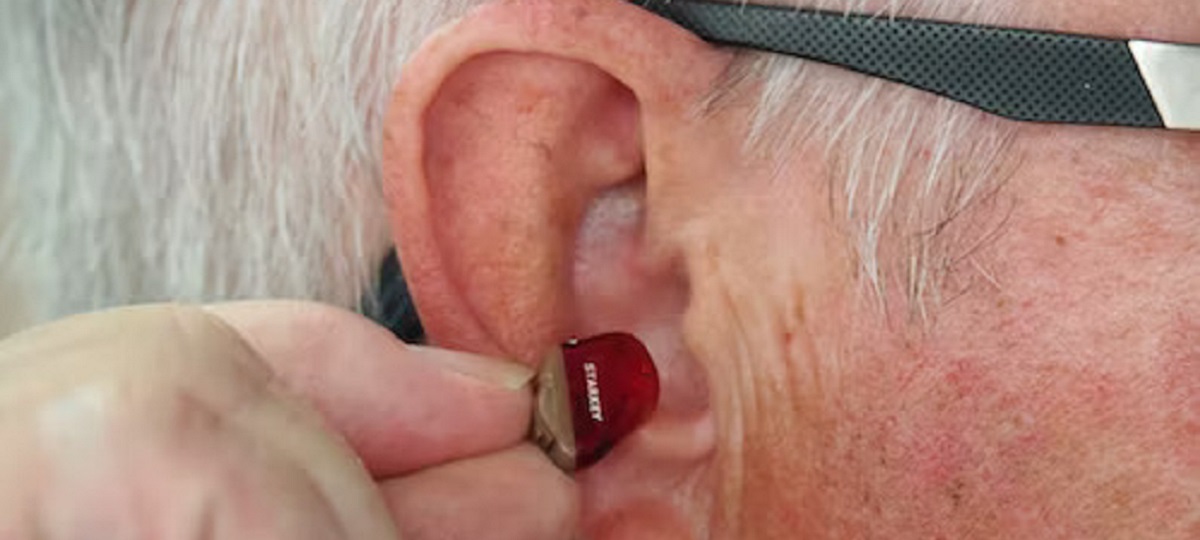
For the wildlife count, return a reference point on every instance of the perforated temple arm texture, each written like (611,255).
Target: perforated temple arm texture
(1018,74)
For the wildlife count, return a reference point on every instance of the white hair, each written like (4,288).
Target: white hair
(202,151)
(909,167)
(196,150)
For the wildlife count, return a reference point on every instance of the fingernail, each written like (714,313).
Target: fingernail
(508,375)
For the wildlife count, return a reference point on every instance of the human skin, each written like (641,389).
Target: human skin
(264,420)
(550,176)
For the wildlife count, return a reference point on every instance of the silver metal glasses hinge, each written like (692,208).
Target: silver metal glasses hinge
(1172,74)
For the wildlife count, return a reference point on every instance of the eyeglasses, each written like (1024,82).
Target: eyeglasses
(1018,74)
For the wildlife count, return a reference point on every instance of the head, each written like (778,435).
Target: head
(877,313)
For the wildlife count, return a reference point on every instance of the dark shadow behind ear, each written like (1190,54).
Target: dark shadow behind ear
(391,304)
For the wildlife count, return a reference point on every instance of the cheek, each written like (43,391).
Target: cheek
(1003,422)
(1045,406)
(1015,423)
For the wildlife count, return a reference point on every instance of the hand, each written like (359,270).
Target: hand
(264,420)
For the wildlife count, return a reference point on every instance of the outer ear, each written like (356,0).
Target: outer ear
(506,126)
(534,158)
(515,146)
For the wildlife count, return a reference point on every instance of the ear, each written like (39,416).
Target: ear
(532,153)
(508,129)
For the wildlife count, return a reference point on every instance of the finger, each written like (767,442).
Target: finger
(400,407)
(514,494)
(101,414)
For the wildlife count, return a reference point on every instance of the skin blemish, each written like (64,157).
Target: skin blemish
(1060,241)
(957,492)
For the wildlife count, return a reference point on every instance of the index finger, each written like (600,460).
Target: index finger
(400,407)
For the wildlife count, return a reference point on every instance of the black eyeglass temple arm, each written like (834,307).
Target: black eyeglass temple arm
(1018,74)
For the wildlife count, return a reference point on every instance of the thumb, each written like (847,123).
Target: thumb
(400,407)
